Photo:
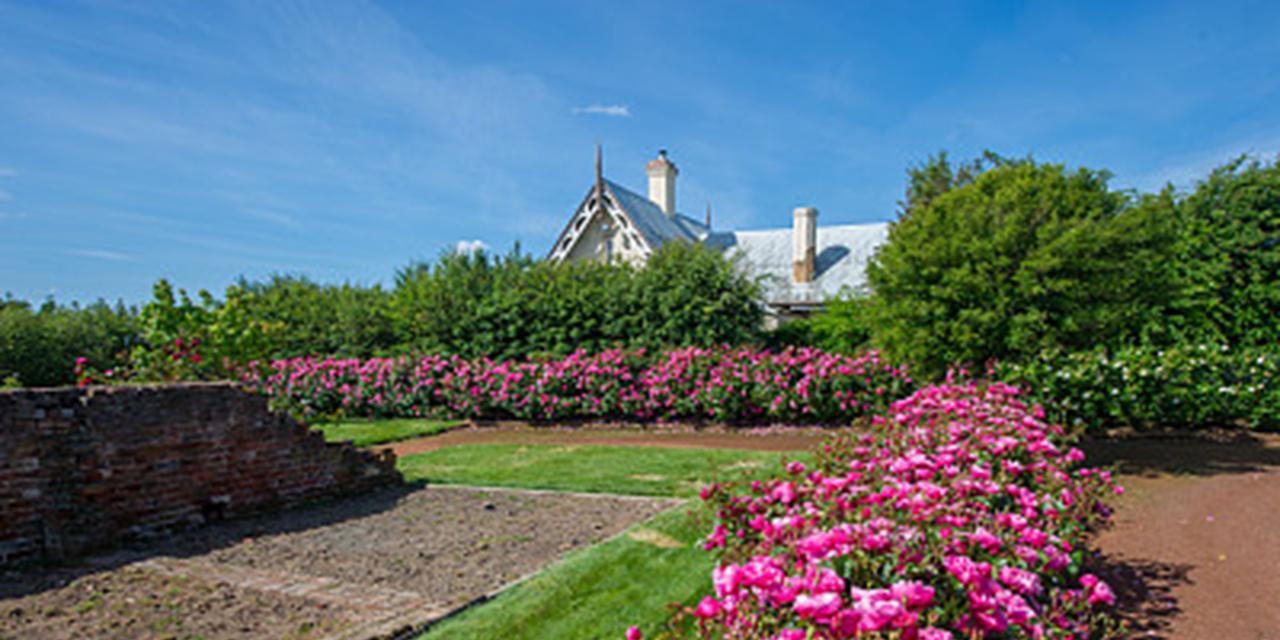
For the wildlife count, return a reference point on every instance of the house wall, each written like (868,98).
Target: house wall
(590,245)
(82,469)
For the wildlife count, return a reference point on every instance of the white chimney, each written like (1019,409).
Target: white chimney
(804,244)
(662,183)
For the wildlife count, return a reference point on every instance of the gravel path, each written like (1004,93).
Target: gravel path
(357,568)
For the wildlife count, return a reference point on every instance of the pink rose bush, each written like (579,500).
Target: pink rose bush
(958,515)
(719,384)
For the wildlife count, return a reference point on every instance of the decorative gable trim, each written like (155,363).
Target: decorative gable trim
(599,201)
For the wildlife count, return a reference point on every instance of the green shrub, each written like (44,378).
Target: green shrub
(1231,254)
(1025,258)
(841,327)
(38,347)
(513,306)
(1189,386)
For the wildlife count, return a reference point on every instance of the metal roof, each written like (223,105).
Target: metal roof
(656,227)
(843,252)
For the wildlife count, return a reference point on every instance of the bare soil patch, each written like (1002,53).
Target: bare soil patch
(1195,550)
(357,568)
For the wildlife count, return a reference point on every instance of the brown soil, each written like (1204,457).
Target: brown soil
(362,567)
(1195,550)
(672,436)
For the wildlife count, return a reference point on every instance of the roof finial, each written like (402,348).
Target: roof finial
(708,215)
(599,170)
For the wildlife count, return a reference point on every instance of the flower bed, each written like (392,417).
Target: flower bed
(960,515)
(732,385)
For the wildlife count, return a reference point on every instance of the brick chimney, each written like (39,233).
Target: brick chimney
(662,183)
(804,244)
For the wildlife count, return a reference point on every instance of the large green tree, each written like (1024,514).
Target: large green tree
(1021,258)
(1231,254)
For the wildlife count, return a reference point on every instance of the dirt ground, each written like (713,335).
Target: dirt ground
(1195,550)
(363,567)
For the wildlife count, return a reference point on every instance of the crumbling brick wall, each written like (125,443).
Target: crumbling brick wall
(82,469)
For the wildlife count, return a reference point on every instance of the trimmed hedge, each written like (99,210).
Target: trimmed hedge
(1193,386)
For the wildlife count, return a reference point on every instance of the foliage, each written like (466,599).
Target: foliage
(722,384)
(1231,254)
(691,295)
(927,181)
(962,514)
(841,327)
(39,345)
(1185,386)
(476,304)
(1027,257)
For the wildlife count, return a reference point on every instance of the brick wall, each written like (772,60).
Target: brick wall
(82,469)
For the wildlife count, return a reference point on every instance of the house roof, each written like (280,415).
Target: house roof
(843,252)
(652,222)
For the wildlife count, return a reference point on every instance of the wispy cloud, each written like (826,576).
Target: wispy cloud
(6,172)
(5,195)
(470,246)
(101,254)
(612,110)
(274,217)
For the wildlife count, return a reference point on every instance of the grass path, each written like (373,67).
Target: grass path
(364,432)
(600,591)
(647,471)
(629,579)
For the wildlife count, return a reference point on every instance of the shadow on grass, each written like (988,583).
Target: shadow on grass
(1186,453)
(37,577)
(1144,588)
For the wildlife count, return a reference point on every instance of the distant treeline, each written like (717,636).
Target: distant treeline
(469,304)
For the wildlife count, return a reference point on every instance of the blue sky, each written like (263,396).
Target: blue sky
(204,140)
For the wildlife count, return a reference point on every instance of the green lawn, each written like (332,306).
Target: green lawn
(629,579)
(364,432)
(645,471)
(600,591)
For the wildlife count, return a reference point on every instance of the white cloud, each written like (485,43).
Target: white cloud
(470,246)
(101,254)
(6,172)
(613,110)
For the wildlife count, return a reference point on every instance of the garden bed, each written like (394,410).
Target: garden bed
(357,568)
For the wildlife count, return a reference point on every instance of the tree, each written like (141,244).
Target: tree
(1023,258)
(690,294)
(1231,254)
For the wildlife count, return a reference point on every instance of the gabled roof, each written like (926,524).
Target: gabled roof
(843,252)
(651,221)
